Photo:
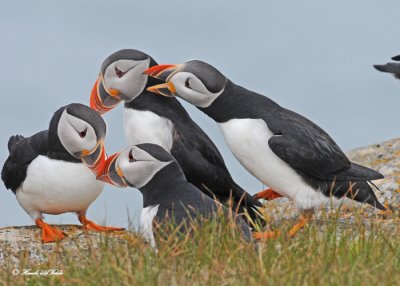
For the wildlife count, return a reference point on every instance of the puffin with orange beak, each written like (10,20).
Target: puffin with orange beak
(163,121)
(54,171)
(168,198)
(281,148)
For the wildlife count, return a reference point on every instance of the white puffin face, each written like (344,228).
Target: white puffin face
(192,89)
(76,135)
(126,77)
(138,166)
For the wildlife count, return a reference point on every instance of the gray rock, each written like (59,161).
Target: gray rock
(23,243)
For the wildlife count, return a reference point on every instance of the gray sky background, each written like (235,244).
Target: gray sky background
(314,57)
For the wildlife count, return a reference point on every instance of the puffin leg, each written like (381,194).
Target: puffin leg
(267,194)
(305,216)
(90,225)
(49,234)
(298,226)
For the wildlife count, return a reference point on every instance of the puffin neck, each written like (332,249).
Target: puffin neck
(223,108)
(236,102)
(167,180)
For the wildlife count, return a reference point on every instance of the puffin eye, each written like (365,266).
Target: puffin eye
(187,84)
(82,134)
(130,157)
(119,73)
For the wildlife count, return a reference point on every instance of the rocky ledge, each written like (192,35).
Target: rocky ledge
(23,244)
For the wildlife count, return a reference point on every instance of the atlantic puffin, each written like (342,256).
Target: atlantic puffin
(393,68)
(164,121)
(54,171)
(281,148)
(168,198)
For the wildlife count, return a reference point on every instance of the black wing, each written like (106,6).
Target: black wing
(205,168)
(310,150)
(22,153)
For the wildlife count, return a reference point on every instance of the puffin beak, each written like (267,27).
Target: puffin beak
(166,89)
(96,158)
(111,173)
(163,72)
(102,99)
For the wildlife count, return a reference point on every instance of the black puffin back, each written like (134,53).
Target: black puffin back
(22,153)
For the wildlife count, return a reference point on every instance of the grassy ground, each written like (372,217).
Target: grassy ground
(329,251)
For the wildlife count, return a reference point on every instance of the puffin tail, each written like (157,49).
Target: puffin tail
(358,173)
(13,141)
(358,191)
(364,194)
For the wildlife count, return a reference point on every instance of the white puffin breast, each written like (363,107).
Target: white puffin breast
(248,141)
(146,223)
(55,186)
(148,127)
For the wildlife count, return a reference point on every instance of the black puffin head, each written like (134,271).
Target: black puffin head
(81,131)
(136,166)
(121,79)
(194,81)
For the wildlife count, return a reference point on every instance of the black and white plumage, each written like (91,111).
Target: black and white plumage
(393,68)
(283,149)
(53,171)
(164,121)
(167,195)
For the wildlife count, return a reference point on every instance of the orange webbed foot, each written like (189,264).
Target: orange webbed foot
(49,234)
(267,194)
(90,225)
(264,235)
(275,234)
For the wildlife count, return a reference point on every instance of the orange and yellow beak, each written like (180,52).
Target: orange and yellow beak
(111,173)
(164,73)
(102,99)
(166,89)
(95,159)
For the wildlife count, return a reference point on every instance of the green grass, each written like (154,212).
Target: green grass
(326,252)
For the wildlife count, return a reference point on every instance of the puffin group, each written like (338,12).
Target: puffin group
(172,161)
